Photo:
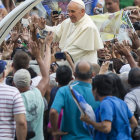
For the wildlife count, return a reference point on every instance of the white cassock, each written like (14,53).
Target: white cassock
(81,39)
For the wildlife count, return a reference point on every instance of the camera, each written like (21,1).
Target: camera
(60,55)
(111,67)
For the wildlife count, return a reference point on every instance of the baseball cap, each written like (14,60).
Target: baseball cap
(22,78)
(2,65)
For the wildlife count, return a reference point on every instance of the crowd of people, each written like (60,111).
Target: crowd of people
(37,102)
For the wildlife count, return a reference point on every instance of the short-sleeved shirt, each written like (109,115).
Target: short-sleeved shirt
(116,111)
(71,122)
(11,103)
(34,105)
(132,99)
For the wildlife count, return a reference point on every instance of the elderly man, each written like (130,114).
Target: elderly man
(12,110)
(77,35)
(112,5)
(71,122)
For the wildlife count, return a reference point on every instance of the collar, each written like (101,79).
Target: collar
(81,20)
(81,83)
(138,87)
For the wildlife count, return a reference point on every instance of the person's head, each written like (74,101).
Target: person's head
(96,69)
(102,85)
(6,55)
(134,77)
(76,10)
(83,70)
(2,68)
(63,75)
(21,60)
(112,5)
(22,79)
(118,88)
(137,3)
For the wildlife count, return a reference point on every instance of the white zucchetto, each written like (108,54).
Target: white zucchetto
(79,2)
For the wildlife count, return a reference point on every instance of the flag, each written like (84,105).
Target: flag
(109,22)
(84,108)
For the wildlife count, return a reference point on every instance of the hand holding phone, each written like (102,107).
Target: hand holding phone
(55,12)
(60,55)
(111,66)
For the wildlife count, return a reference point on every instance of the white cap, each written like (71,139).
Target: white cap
(22,78)
(79,2)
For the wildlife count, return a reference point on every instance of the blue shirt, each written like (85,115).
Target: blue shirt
(71,122)
(116,111)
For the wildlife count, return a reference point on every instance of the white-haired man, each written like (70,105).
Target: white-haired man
(77,35)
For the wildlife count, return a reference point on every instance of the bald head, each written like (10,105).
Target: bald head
(96,68)
(83,70)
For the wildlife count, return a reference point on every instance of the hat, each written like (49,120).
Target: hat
(2,66)
(22,78)
(79,2)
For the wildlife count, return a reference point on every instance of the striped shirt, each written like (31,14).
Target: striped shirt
(11,103)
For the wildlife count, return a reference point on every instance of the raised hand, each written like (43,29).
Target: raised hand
(54,18)
(34,30)
(104,67)
(123,49)
(135,40)
(34,49)
(25,35)
(14,35)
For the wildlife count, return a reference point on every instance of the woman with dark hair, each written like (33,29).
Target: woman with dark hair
(118,87)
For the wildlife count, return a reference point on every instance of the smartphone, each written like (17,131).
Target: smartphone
(111,67)
(60,55)
(55,12)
